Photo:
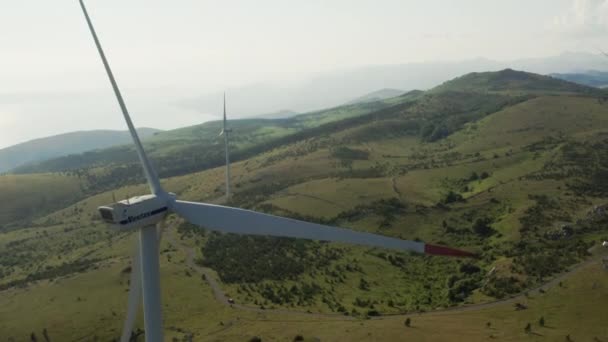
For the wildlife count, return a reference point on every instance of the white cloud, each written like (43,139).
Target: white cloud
(584,17)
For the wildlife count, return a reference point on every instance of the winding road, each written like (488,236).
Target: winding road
(221,297)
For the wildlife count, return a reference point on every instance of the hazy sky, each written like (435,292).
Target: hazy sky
(52,80)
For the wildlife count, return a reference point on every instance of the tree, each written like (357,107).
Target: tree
(482,227)
(528,328)
(474,176)
(541,321)
(408,322)
(452,197)
(439,132)
(45,334)
(426,131)
(363,285)
(33,337)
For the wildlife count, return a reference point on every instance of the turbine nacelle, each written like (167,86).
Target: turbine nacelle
(136,212)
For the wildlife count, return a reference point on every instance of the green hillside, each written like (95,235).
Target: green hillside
(515,176)
(199,147)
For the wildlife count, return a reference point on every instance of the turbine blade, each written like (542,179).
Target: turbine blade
(149,172)
(134,296)
(240,221)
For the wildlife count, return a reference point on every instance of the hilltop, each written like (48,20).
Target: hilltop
(515,175)
(38,150)
(512,81)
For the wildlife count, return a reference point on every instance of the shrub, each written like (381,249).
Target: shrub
(482,227)
(373,313)
(408,322)
(452,197)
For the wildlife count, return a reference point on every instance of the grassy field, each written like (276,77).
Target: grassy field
(513,180)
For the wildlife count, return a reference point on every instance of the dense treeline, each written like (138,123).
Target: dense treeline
(253,258)
(544,250)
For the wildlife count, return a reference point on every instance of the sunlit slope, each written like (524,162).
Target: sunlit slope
(533,120)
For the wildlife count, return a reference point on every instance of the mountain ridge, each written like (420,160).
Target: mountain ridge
(54,146)
(592,78)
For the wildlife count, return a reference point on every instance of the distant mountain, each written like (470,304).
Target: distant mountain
(38,150)
(593,78)
(513,81)
(336,87)
(377,95)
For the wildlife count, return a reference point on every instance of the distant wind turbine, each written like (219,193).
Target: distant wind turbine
(144,214)
(225,132)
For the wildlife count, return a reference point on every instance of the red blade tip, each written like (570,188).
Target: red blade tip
(446,251)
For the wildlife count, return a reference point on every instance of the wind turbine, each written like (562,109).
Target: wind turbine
(225,131)
(144,213)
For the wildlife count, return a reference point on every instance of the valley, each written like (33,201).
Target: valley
(509,165)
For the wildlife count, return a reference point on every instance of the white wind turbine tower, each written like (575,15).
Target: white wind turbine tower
(225,132)
(144,213)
